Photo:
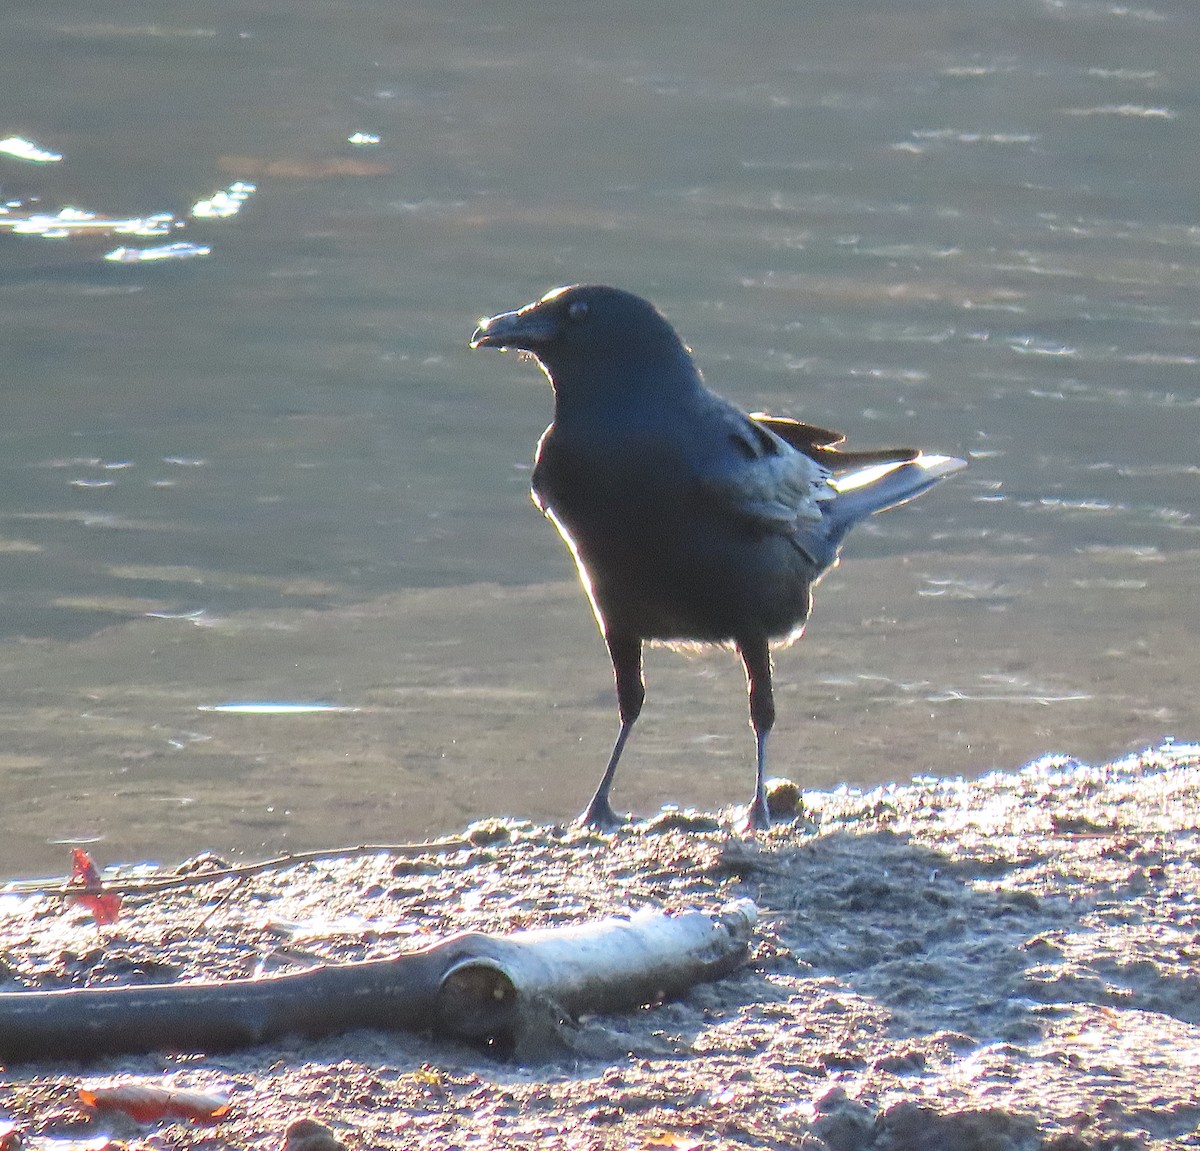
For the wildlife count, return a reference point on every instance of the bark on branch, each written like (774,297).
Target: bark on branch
(510,991)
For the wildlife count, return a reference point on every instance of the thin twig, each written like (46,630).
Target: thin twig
(63,890)
(220,902)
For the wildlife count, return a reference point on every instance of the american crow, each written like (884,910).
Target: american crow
(688,519)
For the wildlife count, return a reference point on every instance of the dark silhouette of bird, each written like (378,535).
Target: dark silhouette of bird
(688,519)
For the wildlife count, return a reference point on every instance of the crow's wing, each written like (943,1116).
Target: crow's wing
(758,477)
(824,445)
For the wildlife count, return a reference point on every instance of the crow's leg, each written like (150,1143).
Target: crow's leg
(626,655)
(756,655)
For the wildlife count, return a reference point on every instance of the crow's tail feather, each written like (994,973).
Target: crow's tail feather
(867,490)
(872,489)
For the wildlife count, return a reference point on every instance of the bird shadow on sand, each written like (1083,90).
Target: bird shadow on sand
(968,945)
(961,996)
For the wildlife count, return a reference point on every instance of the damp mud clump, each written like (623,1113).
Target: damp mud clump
(1009,962)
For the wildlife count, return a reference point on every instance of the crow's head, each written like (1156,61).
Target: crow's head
(589,336)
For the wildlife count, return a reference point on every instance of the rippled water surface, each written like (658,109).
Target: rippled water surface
(248,457)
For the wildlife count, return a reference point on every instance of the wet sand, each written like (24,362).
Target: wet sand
(485,700)
(1007,964)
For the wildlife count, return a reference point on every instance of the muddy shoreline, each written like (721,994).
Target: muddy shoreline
(470,702)
(1008,962)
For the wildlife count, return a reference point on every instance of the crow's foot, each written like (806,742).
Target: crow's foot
(758,818)
(600,817)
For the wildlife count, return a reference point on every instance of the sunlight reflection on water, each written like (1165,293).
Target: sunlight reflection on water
(923,227)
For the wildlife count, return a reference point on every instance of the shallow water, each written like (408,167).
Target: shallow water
(969,227)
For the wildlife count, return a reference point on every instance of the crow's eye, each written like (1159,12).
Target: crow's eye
(577,310)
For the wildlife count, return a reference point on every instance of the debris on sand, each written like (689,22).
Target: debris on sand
(1006,963)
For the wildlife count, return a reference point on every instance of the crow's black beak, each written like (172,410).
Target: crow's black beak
(526,330)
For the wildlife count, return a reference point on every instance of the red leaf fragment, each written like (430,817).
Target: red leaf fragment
(146,1103)
(104,906)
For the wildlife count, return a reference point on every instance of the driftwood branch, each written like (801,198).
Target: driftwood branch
(496,990)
